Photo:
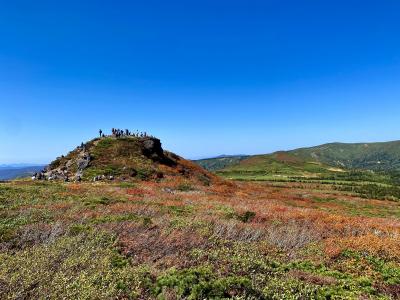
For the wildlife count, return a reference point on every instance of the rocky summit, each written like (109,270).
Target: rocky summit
(122,158)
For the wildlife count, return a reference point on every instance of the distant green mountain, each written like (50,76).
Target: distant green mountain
(363,156)
(220,162)
(368,156)
(275,165)
(334,161)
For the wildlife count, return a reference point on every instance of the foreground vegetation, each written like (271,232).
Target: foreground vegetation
(173,239)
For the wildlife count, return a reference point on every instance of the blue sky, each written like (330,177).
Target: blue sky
(207,77)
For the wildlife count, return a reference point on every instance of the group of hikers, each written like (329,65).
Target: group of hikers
(124,133)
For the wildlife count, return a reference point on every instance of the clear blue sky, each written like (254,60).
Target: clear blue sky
(207,77)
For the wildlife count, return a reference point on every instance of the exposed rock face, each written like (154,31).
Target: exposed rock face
(152,146)
(66,169)
(152,149)
(83,162)
(57,174)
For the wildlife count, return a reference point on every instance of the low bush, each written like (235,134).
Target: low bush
(290,289)
(86,266)
(247,216)
(185,187)
(202,283)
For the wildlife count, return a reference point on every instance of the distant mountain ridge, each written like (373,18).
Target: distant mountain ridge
(381,156)
(19,166)
(230,155)
(13,172)
(220,162)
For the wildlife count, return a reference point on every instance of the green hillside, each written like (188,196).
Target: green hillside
(327,158)
(220,162)
(371,169)
(277,165)
(367,156)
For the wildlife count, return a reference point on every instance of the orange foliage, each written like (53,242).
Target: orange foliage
(74,187)
(387,246)
(139,192)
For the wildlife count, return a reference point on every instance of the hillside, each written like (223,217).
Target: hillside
(279,164)
(220,162)
(327,158)
(123,158)
(383,156)
(371,170)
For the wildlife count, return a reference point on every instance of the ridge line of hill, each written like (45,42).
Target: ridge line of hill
(376,156)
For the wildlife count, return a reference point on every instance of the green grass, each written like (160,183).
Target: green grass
(272,280)
(366,184)
(85,266)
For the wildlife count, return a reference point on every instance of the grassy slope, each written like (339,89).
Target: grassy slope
(287,167)
(218,163)
(174,240)
(371,156)
(319,159)
(346,165)
(277,164)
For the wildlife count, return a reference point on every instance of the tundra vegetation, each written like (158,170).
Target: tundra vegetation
(174,238)
(156,226)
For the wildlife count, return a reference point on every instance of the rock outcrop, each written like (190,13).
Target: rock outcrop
(125,158)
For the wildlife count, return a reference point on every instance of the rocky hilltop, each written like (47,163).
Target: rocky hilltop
(122,158)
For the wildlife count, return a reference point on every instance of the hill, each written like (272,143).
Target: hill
(123,158)
(383,156)
(375,166)
(276,165)
(220,162)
